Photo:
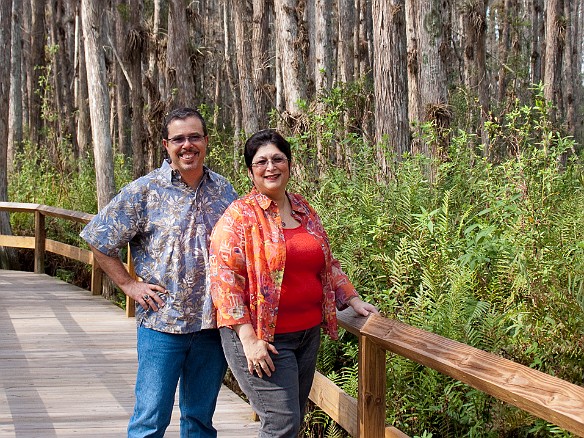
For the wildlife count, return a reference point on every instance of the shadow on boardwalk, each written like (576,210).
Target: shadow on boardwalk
(68,364)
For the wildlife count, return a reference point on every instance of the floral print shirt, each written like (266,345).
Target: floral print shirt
(247,259)
(168,225)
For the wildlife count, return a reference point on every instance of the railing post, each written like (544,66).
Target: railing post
(130,303)
(40,238)
(372,383)
(96,277)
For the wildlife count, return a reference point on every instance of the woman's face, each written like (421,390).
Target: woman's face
(270,171)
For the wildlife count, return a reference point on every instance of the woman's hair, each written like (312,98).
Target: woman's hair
(262,138)
(182,114)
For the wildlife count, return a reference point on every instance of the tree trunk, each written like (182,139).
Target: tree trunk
(180,82)
(433,25)
(231,74)
(346,48)
(122,88)
(242,18)
(6,255)
(537,32)
(37,60)
(156,107)
(261,63)
(81,91)
(474,29)
(15,110)
(390,80)
(292,56)
(134,48)
(555,29)
(99,104)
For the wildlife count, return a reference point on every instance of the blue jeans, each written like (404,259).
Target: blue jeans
(278,400)
(163,358)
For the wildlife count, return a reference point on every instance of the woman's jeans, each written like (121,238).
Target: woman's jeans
(278,400)
(197,360)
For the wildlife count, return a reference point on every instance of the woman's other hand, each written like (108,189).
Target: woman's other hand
(361,307)
(256,350)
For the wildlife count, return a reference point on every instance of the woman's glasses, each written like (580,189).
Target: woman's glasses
(276,161)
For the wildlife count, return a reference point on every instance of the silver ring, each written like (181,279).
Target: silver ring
(145,297)
(257,365)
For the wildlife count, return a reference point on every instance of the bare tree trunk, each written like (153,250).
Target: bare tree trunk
(433,26)
(570,72)
(475,70)
(229,70)
(155,106)
(134,48)
(555,31)
(37,59)
(81,92)
(180,82)
(414,103)
(242,18)
(291,55)
(122,88)
(346,48)
(99,103)
(537,32)
(6,255)
(261,63)
(390,80)
(15,110)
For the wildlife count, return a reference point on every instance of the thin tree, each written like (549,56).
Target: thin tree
(5,41)
(554,49)
(390,80)
(291,56)
(242,16)
(180,82)
(99,104)
(36,60)
(15,110)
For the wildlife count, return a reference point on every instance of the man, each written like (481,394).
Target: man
(167,217)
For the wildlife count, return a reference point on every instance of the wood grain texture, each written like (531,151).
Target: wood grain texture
(68,365)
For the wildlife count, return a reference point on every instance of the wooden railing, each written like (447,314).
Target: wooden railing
(41,244)
(540,394)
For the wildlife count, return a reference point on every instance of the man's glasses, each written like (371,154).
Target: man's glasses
(180,140)
(276,161)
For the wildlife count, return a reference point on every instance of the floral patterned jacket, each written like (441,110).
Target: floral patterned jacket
(247,259)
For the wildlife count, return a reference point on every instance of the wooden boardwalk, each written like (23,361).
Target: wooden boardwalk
(68,365)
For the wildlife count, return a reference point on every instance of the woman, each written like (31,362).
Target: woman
(275,282)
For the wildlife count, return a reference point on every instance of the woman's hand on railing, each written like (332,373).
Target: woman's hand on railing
(361,307)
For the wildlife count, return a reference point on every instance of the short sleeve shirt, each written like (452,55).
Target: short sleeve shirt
(167,224)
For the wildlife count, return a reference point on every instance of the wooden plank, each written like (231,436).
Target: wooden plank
(73,252)
(540,394)
(17,241)
(76,216)
(68,365)
(335,402)
(19,207)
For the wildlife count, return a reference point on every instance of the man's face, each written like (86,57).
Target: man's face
(186,146)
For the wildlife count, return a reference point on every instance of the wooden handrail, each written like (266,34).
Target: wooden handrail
(540,394)
(41,244)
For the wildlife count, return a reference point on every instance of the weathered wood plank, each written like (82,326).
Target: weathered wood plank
(68,365)
(17,241)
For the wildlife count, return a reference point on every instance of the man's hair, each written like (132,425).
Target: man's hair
(181,114)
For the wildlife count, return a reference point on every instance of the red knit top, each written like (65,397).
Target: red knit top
(300,305)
